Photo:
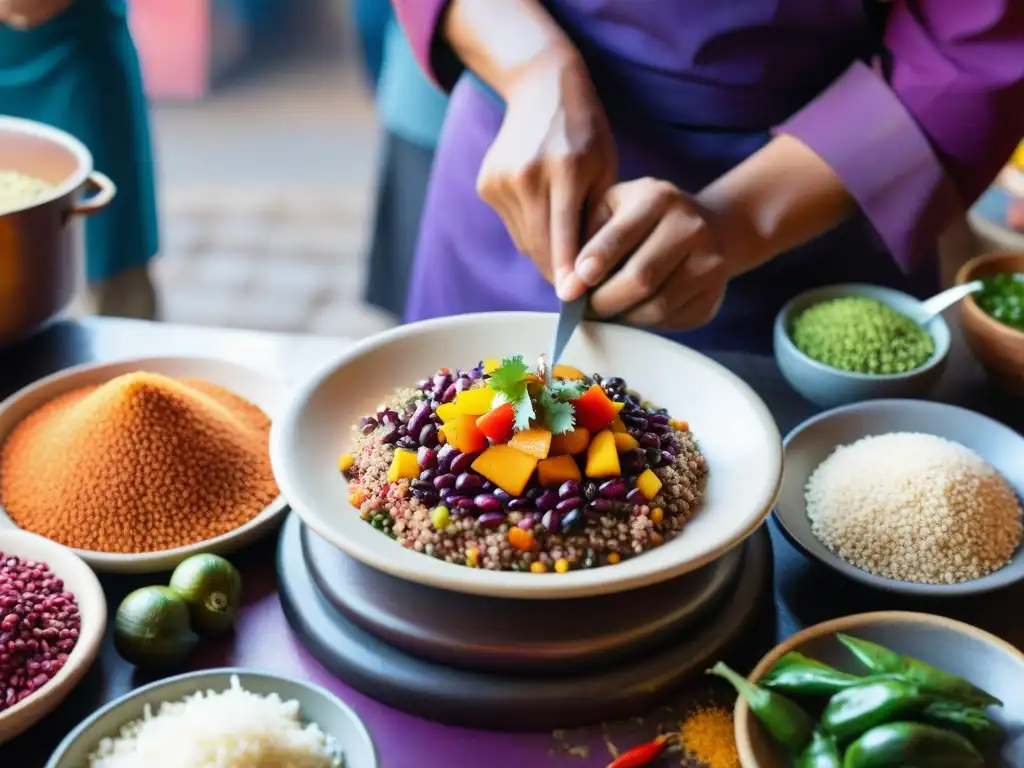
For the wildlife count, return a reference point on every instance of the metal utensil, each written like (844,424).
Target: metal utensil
(570,315)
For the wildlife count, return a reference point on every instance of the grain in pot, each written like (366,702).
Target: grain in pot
(19,190)
(914,507)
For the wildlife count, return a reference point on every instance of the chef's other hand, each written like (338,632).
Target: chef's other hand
(25,14)
(552,160)
(673,273)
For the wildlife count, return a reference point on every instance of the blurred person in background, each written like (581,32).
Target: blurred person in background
(72,64)
(770,146)
(411,111)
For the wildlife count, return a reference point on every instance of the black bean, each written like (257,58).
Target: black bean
(552,520)
(569,488)
(653,457)
(428,435)
(407,443)
(491,519)
(614,381)
(389,435)
(618,397)
(463,462)
(590,490)
(547,500)
(658,419)
(503,496)
(613,489)
(444,481)
(636,422)
(602,506)
(430,498)
(567,505)
(426,458)
(518,503)
(486,502)
(632,461)
(650,440)
(636,496)
(469,483)
(571,518)
(668,458)
(534,493)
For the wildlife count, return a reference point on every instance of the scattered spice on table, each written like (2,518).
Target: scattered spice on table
(142,463)
(39,626)
(861,335)
(707,735)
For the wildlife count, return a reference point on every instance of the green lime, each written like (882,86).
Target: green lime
(151,628)
(212,588)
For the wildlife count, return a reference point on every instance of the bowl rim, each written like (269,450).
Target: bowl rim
(504,584)
(741,711)
(60,558)
(784,315)
(151,562)
(849,571)
(198,675)
(56,136)
(970,307)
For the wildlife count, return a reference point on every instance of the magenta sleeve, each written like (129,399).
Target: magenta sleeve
(420,20)
(917,146)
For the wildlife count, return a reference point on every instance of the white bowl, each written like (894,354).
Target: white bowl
(316,705)
(256,387)
(92,608)
(733,426)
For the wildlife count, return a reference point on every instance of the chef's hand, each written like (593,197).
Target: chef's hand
(25,14)
(673,275)
(553,159)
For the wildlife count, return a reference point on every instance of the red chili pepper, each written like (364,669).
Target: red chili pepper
(642,755)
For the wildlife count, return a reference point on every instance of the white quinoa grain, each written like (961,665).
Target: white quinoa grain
(914,507)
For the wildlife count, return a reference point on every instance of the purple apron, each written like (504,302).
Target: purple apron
(691,88)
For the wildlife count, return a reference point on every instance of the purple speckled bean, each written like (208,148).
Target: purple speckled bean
(636,496)
(449,394)
(527,523)
(602,506)
(467,483)
(445,454)
(426,458)
(428,435)
(486,502)
(491,519)
(428,475)
(568,489)
(667,457)
(613,489)
(407,443)
(633,460)
(650,440)
(444,481)
(462,462)
(462,502)
(390,435)
(638,423)
(503,496)
(462,383)
(547,500)
(571,518)
(552,520)
(518,503)
(568,505)
(658,418)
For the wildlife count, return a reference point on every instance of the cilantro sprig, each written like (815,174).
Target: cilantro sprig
(510,383)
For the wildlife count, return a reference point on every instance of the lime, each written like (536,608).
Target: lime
(212,588)
(151,628)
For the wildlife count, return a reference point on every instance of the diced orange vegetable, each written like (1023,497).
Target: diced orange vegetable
(498,424)
(649,484)
(464,435)
(491,364)
(556,470)
(403,466)
(567,372)
(617,425)
(625,441)
(680,425)
(474,402)
(571,443)
(602,456)
(506,467)
(520,539)
(594,410)
(618,406)
(448,411)
(533,442)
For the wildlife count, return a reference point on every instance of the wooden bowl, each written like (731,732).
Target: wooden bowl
(998,347)
(960,649)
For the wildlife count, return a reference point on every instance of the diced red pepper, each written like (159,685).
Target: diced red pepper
(594,409)
(499,423)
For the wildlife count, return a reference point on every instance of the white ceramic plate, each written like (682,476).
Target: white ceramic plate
(316,705)
(734,428)
(92,607)
(256,387)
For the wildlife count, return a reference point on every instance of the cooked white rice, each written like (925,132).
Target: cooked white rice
(19,190)
(219,729)
(914,507)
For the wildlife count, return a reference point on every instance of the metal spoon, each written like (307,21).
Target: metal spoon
(939,303)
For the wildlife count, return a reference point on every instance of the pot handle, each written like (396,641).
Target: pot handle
(104,190)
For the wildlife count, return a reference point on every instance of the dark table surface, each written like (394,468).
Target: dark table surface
(805,593)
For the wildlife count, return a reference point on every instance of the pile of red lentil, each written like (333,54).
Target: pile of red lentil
(39,626)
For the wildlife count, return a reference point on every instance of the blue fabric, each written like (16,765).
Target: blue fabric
(80,72)
(408,104)
(372,18)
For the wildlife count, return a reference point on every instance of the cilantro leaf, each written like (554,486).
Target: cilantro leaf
(567,391)
(524,411)
(559,417)
(509,377)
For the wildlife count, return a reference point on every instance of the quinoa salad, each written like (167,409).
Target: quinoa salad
(506,468)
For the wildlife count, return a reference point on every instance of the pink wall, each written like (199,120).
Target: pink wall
(173,38)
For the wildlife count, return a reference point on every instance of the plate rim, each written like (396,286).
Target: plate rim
(836,564)
(155,562)
(501,583)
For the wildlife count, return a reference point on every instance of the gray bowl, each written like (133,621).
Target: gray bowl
(827,386)
(957,648)
(316,705)
(812,442)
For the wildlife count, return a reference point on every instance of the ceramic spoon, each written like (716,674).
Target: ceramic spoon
(939,303)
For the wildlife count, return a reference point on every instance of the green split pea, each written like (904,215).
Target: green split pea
(861,335)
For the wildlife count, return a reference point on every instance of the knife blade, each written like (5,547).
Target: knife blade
(570,315)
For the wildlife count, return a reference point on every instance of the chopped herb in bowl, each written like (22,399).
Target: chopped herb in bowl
(1002,298)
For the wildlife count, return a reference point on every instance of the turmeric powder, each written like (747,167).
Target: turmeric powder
(707,735)
(142,463)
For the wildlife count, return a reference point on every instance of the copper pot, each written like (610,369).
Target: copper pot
(41,245)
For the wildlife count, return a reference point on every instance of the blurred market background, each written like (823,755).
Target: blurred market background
(267,149)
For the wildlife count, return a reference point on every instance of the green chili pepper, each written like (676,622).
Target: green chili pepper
(850,713)
(970,722)
(785,720)
(822,752)
(880,660)
(898,745)
(800,675)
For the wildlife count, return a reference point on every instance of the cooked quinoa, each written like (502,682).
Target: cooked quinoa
(454,513)
(914,507)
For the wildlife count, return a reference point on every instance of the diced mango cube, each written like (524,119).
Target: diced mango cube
(474,402)
(649,484)
(603,456)
(403,466)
